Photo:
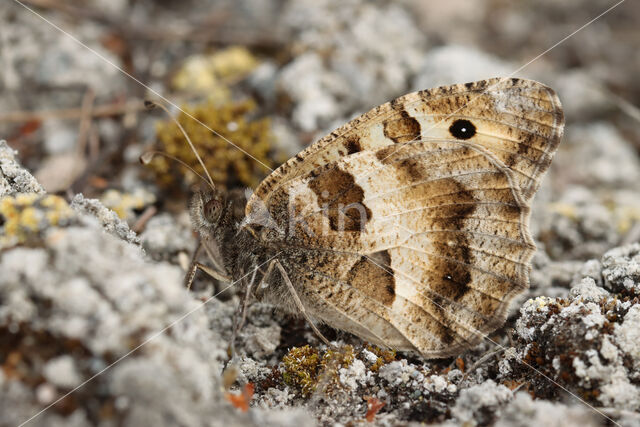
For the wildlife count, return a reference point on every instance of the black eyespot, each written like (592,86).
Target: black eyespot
(462,129)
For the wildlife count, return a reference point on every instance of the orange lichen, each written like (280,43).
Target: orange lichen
(242,400)
(373,406)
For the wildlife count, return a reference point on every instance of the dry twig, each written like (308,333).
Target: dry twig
(105,110)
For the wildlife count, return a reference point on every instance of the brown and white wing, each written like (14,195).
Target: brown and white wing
(503,107)
(419,240)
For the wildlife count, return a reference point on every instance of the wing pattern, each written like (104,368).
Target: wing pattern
(409,225)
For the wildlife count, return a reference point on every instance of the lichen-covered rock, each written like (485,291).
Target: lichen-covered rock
(457,64)
(44,55)
(588,342)
(621,270)
(13,177)
(125,204)
(164,237)
(549,277)
(580,226)
(321,62)
(524,411)
(25,218)
(596,208)
(108,219)
(374,51)
(480,404)
(81,302)
(582,95)
(612,160)
(92,333)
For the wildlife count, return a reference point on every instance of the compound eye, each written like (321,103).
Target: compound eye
(212,210)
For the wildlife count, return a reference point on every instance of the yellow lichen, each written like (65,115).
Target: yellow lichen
(543,301)
(564,209)
(24,217)
(233,62)
(30,218)
(213,73)
(125,205)
(194,74)
(227,164)
(24,199)
(627,216)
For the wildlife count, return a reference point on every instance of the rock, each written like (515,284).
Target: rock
(107,218)
(78,293)
(62,372)
(59,171)
(92,298)
(44,55)
(481,403)
(165,237)
(13,177)
(84,308)
(578,226)
(261,342)
(627,336)
(61,138)
(457,64)
(583,96)
(612,159)
(621,269)
(374,52)
(588,341)
(524,411)
(313,89)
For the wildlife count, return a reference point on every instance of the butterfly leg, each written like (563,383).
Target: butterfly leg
(195,265)
(240,315)
(245,303)
(297,300)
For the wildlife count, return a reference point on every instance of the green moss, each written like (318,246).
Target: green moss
(342,357)
(305,368)
(301,368)
(384,356)
(228,165)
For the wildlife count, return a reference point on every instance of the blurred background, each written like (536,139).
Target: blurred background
(272,76)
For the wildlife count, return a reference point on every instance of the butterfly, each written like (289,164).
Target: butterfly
(407,227)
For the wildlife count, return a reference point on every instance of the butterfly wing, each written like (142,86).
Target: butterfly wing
(520,121)
(419,239)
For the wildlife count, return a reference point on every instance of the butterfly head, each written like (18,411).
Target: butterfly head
(207,208)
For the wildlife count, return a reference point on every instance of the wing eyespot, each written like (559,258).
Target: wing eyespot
(462,129)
